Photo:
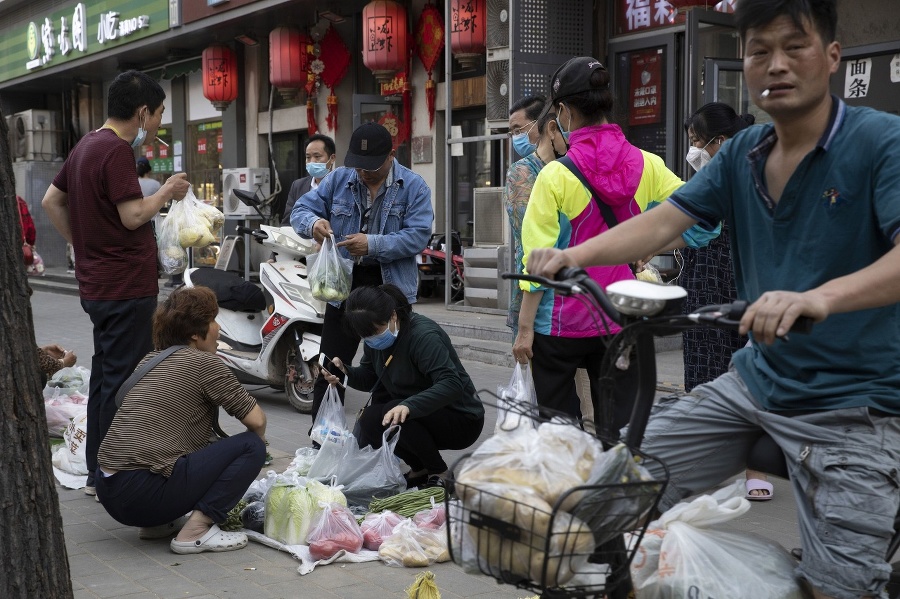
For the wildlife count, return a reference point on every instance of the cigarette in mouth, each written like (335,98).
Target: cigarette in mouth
(765,93)
(167,145)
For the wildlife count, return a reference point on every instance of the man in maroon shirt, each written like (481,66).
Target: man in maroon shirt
(96,204)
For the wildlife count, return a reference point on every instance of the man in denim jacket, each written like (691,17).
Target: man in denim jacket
(380,214)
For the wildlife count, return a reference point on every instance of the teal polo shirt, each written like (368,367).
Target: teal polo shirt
(839,212)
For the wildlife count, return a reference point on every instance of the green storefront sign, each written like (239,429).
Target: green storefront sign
(76,31)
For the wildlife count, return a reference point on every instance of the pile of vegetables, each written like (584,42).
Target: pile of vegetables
(291,509)
(409,503)
(335,530)
(414,547)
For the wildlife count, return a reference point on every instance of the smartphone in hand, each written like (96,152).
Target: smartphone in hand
(342,378)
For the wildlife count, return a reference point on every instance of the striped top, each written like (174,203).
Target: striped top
(170,412)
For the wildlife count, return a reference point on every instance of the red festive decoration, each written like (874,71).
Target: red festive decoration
(336,60)
(467,31)
(220,75)
(394,125)
(311,127)
(429,44)
(385,40)
(288,60)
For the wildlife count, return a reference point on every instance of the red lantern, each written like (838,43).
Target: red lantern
(288,60)
(467,31)
(385,40)
(220,79)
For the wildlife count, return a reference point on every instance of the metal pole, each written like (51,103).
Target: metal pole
(448,159)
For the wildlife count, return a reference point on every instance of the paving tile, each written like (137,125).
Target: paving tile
(111,585)
(139,569)
(85,533)
(237,586)
(84,565)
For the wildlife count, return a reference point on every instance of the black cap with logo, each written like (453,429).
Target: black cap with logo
(573,78)
(370,145)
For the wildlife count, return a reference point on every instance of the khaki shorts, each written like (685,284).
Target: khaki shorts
(843,466)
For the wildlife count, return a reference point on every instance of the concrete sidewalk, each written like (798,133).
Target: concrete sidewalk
(108,560)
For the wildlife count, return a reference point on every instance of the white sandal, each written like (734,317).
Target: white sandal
(215,539)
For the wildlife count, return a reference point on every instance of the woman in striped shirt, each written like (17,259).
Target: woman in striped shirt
(156,462)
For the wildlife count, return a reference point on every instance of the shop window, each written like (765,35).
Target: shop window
(479,166)
(204,170)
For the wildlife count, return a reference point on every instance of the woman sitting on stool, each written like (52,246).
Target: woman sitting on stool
(156,462)
(417,381)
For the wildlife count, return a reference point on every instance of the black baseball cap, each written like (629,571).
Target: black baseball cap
(573,78)
(370,145)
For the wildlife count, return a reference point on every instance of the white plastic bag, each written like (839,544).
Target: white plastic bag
(189,223)
(517,401)
(71,456)
(698,559)
(370,473)
(69,380)
(330,274)
(61,410)
(331,424)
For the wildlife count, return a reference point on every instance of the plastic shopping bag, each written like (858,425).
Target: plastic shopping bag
(330,274)
(414,547)
(334,530)
(517,401)
(331,423)
(378,527)
(685,554)
(370,473)
(189,223)
(68,381)
(71,456)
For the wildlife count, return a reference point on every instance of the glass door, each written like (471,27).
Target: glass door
(725,83)
(387,110)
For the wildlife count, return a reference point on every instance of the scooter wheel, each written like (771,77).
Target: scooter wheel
(302,402)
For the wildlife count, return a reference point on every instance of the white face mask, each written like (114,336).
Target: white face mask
(698,157)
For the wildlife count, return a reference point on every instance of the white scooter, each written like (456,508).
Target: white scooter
(270,337)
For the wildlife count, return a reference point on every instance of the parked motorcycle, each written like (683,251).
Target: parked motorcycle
(270,336)
(432,263)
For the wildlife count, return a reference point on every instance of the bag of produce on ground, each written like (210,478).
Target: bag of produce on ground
(409,503)
(253,517)
(330,425)
(259,488)
(370,473)
(62,409)
(432,518)
(335,530)
(70,457)
(330,274)
(377,527)
(516,401)
(685,554)
(303,459)
(413,547)
(289,512)
(68,381)
(510,528)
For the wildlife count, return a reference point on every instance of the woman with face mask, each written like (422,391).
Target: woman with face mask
(707,273)
(416,381)
(602,180)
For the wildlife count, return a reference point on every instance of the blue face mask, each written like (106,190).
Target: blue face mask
(563,131)
(317,170)
(141,136)
(383,340)
(522,145)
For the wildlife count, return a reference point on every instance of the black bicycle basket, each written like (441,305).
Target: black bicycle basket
(523,524)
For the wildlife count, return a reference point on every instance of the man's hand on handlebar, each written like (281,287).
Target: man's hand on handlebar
(775,312)
(546,262)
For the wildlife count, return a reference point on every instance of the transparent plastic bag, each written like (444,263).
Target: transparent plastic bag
(378,527)
(331,424)
(433,517)
(68,381)
(413,547)
(335,529)
(370,473)
(516,400)
(189,223)
(329,273)
(253,516)
(650,274)
(684,554)
(303,460)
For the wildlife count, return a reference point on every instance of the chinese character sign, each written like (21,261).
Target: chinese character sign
(380,34)
(637,15)
(646,88)
(856,80)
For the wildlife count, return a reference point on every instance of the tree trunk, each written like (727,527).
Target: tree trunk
(32,546)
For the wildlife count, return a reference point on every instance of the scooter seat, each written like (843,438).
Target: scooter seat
(232,292)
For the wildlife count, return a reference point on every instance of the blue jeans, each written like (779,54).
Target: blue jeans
(122,336)
(842,465)
(211,480)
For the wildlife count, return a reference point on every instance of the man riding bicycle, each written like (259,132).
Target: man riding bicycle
(814,205)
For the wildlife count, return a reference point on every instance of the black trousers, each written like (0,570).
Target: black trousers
(553,368)
(122,336)
(212,480)
(421,439)
(337,340)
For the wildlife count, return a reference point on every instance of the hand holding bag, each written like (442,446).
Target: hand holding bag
(330,274)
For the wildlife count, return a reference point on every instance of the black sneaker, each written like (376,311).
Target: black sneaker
(436,480)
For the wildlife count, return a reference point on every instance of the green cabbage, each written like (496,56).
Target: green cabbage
(291,510)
